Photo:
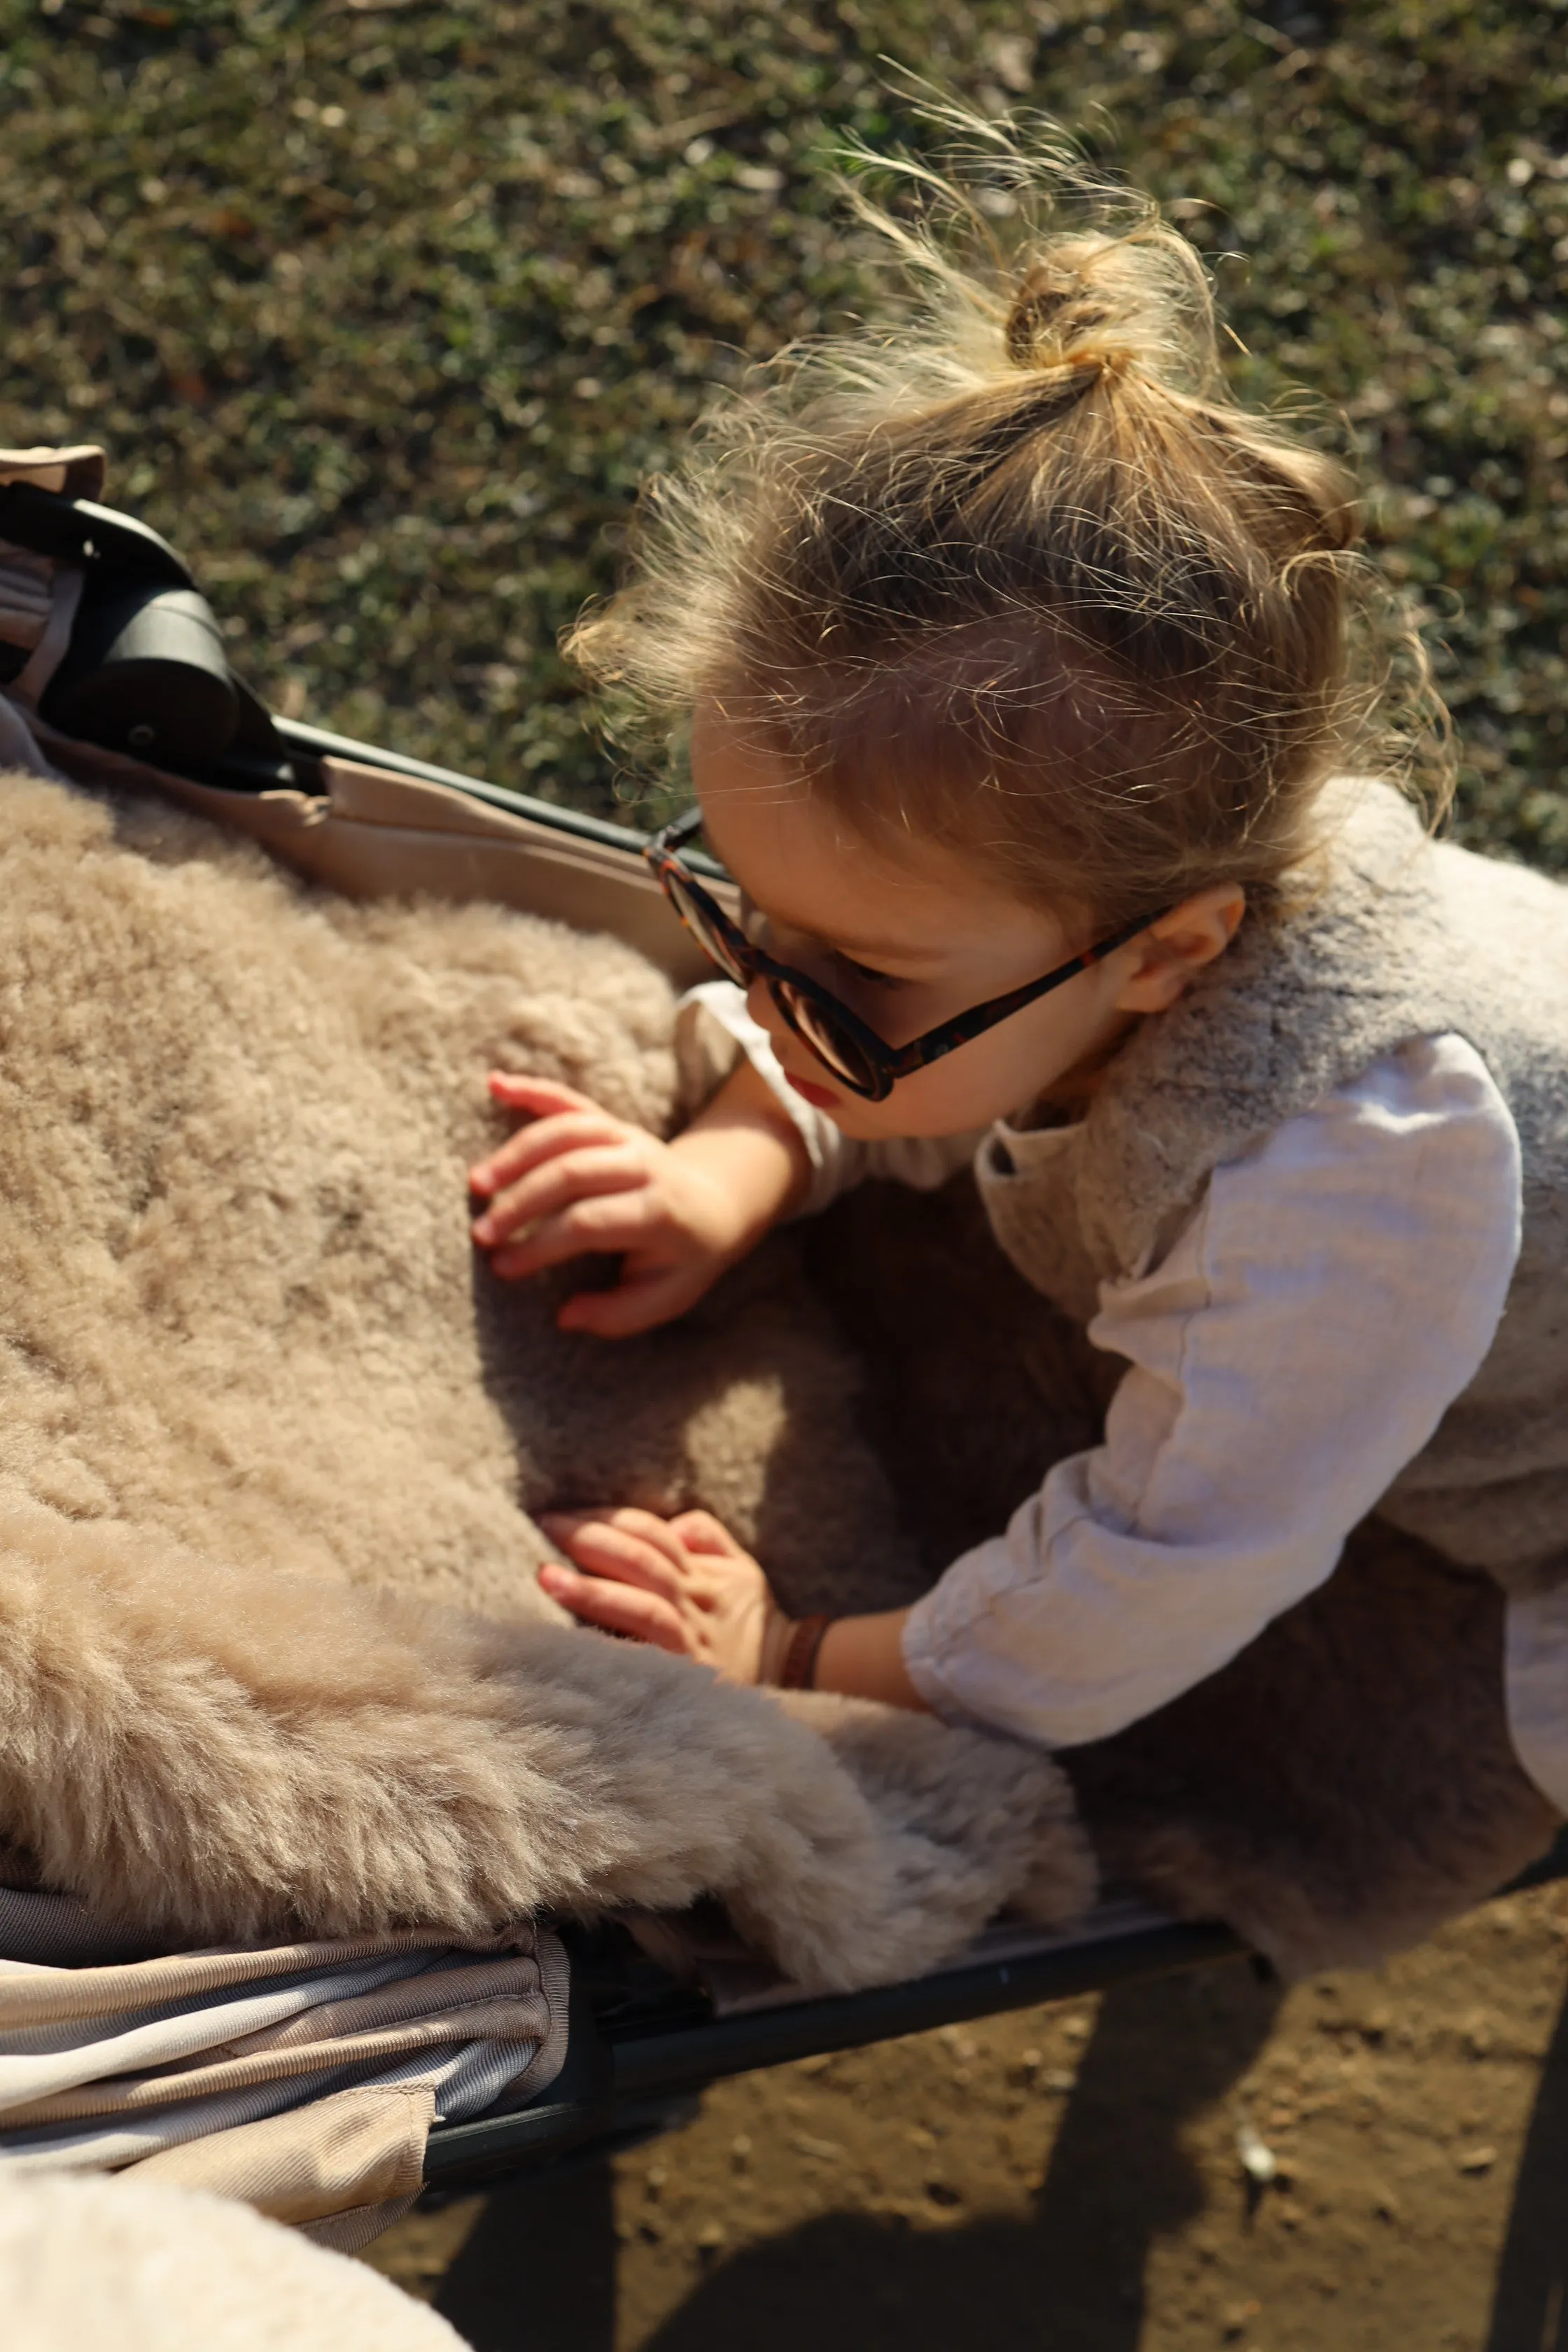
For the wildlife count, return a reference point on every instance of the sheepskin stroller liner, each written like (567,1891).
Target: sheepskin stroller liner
(645,2036)
(648,2033)
(658,2014)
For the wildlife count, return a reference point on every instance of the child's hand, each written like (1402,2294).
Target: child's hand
(682,1584)
(577,1181)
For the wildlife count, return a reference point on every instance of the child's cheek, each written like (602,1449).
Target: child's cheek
(967,1088)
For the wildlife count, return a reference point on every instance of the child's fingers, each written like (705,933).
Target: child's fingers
(700,1531)
(530,1146)
(639,1303)
(628,1519)
(590,1172)
(616,1608)
(605,1225)
(628,1547)
(520,1091)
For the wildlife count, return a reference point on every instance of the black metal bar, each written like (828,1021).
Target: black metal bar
(647,2071)
(617,2089)
(660,2065)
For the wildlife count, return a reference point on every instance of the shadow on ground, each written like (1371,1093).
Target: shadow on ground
(538,2269)
(1530,2309)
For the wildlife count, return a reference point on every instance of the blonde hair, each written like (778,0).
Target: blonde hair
(1015,574)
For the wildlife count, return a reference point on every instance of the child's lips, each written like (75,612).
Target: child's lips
(819,1097)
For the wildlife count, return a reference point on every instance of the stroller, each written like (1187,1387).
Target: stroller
(131,661)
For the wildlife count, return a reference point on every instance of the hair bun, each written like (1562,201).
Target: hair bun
(1055,319)
(1058,319)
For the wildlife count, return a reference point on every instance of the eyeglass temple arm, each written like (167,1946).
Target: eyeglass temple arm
(677,831)
(903,1061)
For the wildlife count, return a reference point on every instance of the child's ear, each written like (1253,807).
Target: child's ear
(1172,950)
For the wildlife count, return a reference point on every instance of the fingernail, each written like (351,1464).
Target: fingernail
(483,1230)
(554,1578)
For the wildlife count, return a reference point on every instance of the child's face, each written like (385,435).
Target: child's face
(911,939)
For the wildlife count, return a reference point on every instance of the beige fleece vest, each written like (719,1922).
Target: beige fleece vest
(1404,940)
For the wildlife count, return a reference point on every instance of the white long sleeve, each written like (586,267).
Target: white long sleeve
(713,1029)
(1338,1287)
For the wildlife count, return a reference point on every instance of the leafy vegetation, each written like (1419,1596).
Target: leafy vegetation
(385,306)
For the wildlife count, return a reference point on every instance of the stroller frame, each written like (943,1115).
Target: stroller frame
(370,822)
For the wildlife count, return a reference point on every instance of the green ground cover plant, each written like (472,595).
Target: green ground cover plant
(385,306)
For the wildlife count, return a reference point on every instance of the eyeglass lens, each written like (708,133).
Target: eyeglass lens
(815,1024)
(700,923)
(831,1043)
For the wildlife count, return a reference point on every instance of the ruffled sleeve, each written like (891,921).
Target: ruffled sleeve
(713,1030)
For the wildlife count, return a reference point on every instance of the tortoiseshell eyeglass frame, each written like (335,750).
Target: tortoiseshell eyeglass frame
(727,946)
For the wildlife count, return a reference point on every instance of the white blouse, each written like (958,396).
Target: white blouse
(1339,1284)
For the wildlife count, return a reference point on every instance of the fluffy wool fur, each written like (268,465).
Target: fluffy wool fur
(271,1652)
(153,2269)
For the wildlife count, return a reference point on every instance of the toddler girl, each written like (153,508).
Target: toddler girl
(1027,674)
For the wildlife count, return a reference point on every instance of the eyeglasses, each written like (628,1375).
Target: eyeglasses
(848,1049)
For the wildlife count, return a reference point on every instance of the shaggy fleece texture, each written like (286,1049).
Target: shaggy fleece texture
(272,1658)
(153,2269)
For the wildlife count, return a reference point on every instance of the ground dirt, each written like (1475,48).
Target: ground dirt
(383,308)
(1073,2179)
